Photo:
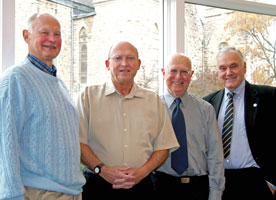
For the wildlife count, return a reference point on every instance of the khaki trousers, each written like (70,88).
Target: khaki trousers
(38,194)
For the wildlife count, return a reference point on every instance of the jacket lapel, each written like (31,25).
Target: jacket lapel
(251,104)
(216,101)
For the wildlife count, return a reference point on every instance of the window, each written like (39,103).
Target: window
(208,28)
(83,57)
(89,28)
(156,34)
(83,64)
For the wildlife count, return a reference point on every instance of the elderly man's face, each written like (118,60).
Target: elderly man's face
(178,75)
(45,38)
(231,70)
(123,63)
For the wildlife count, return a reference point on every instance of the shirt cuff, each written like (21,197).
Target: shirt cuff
(215,194)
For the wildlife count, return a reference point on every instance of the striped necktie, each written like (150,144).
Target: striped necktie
(179,158)
(228,125)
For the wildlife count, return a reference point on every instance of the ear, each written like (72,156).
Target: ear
(139,64)
(163,71)
(107,64)
(26,35)
(244,67)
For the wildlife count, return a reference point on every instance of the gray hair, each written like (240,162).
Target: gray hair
(228,49)
(30,22)
(33,18)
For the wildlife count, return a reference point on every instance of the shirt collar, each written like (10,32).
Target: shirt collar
(136,91)
(42,66)
(238,91)
(170,98)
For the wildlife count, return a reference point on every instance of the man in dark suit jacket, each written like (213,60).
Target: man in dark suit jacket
(250,169)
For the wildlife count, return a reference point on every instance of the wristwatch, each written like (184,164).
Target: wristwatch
(97,169)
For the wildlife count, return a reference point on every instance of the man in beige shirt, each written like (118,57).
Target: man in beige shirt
(125,130)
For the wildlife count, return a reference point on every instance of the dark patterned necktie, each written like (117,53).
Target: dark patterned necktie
(228,125)
(179,158)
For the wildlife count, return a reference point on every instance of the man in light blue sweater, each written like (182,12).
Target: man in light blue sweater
(39,140)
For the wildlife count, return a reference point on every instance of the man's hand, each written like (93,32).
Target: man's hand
(132,177)
(118,176)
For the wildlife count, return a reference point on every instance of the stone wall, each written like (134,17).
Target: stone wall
(136,21)
(25,9)
(132,20)
(121,20)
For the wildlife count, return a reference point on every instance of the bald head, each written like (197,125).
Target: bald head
(180,59)
(122,43)
(178,74)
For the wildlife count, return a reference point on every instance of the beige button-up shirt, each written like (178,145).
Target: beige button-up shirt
(124,131)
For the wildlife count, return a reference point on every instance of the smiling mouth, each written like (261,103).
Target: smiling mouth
(178,83)
(49,47)
(124,70)
(230,78)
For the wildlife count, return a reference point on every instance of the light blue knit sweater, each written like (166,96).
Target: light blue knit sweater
(39,140)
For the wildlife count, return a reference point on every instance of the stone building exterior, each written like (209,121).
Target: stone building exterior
(26,8)
(114,21)
(88,37)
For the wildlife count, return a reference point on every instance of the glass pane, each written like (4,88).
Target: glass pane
(84,68)
(134,21)
(207,29)
(83,79)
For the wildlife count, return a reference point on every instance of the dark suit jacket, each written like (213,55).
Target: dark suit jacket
(260,121)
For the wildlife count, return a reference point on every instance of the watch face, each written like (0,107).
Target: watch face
(97,170)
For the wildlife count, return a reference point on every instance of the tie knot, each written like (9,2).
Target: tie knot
(230,95)
(177,101)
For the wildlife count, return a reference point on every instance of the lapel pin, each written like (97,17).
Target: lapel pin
(255,105)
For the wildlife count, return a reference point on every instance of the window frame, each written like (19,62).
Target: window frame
(83,55)
(173,22)
(171,34)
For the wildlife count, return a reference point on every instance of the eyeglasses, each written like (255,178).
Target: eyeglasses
(119,59)
(184,73)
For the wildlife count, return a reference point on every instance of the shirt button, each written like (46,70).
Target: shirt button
(125,130)
(125,145)
(124,114)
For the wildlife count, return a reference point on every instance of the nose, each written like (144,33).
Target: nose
(124,61)
(52,37)
(178,75)
(229,70)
